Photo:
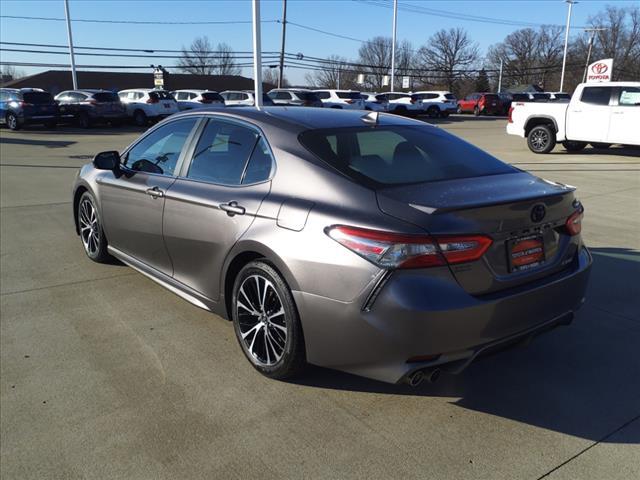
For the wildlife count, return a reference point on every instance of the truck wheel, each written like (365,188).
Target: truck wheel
(601,146)
(570,146)
(541,139)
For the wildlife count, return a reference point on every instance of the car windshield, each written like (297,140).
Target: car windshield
(396,155)
(351,95)
(37,97)
(106,97)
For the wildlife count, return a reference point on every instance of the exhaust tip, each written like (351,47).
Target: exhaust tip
(416,378)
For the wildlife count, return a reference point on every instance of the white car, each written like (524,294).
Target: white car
(374,102)
(144,104)
(346,99)
(601,114)
(192,99)
(438,103)
(298,97)
(243,98)
(402,103)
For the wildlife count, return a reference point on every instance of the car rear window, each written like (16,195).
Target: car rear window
(106,97)
(449,96)
(37,97)
(161,95)
(351,95)
(212,96)
(396,155)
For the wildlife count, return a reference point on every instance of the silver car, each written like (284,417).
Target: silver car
(369,243)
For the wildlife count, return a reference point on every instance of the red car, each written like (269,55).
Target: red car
(481,104)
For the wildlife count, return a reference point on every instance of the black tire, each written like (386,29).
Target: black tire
(51,125)
(140,118)
(571,146)
(12,121)
(433,112)
(83,120)
(401,110)
(600,146)
(256,344)
(444,114)
(541,139)
(96,250)
(476,111)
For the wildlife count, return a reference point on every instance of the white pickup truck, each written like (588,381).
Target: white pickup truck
(601,114)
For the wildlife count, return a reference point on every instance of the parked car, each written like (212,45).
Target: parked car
(481,104)
(505,99)
(341,99)
(441,102)
(89,106)
(27,106)
(190,99)
(402,103)
(295,97)
(146,104)
(599,114)
(243,98)
(393,252)
(375,102)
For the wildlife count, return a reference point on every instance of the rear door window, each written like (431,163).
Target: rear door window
(629,96)
(260,164)
(596,95)
(222,153)
(323,95)
(349,95)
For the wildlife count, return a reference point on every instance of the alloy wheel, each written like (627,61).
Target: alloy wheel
(262,320)
(12,121)
(539,139)
(89,227)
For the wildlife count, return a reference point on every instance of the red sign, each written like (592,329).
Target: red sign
(599,68)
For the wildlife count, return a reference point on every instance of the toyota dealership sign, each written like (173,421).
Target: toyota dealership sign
(600,71)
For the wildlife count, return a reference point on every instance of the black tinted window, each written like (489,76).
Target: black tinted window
(260,163)
(351,95)
(449,96)
(596,95)
(323,95)
(212,96)
(106,97)
(308,96)
(159,151)
(221,153)
(37,97)
(400,154)
(160,95)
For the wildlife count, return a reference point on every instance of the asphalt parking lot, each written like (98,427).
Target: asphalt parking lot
(105,374)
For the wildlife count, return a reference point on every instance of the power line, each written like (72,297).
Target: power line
(137,22)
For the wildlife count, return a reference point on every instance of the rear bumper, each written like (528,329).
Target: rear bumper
(418,314)
(515,129)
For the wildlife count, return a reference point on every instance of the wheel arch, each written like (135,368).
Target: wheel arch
(76,203)
(539,120)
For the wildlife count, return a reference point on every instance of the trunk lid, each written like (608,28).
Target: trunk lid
(499,206)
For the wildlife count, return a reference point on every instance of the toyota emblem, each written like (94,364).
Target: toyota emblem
(537,213)
(599,68)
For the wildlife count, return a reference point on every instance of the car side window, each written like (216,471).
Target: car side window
(629,96)
(596,95)
(260,164)
(283,96)
(323,95)
(222,153)
(159,151)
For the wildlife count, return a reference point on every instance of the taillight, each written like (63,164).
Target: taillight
(393,250)
(350,101)
(510,120)
(152,100)
(574,222)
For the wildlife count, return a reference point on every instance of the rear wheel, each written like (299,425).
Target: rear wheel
(433,112)
(476,111)
(601,146)
(266,321)
(83,120)
(90,228)
(571,146)
(140,118)
(12,121)
(541,139)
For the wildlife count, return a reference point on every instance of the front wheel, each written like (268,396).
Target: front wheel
(571,146)
(140,118)
(266,321)
(12,121)
(90,229)
(433,112)
(541,139)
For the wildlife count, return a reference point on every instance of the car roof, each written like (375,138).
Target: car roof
(303,118)
(189,90)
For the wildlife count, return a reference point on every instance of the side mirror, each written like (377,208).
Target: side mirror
(107,160)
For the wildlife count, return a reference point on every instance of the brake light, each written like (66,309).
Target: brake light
(350,101)
(574,222)
(510,120)
(393,250)
(152,100)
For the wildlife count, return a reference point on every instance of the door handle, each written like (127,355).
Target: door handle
(232,208)
(617,113)
(155,192)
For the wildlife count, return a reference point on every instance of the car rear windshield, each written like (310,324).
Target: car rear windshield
(160,95)
(449,96)
(212,96)
(106,97)
(37,97)
(396,155)
(351,95)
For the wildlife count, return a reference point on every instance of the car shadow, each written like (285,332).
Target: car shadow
(589,150)
(42,143)
(579,380)
(460,118)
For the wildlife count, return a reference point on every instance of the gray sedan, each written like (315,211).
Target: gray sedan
(369,243)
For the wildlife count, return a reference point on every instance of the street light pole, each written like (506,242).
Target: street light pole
(257,55)
(393,45)
(284,33)
(566,42)
(500,78)
(73,61)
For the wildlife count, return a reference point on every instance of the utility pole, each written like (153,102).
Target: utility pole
(393,45)
(73,60)
(566,42)
(257,55)
(284,34)
(338,77)
(591,40)
(500,78)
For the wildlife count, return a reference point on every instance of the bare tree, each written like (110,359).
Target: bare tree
(270,76)
(336,72)
(9,73)
(445,54)
(201,59)
(375,57)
